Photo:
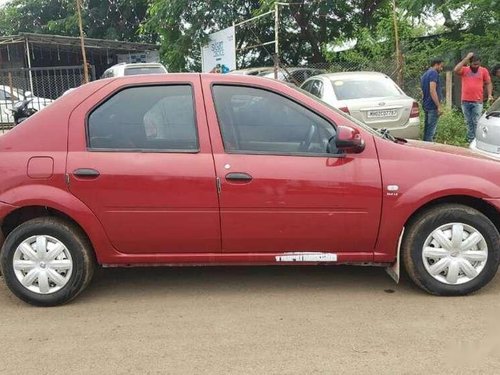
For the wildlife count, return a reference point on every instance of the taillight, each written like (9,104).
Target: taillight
(415,110)
(345,109)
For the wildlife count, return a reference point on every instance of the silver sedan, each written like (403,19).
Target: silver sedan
(487,140)
(370,97)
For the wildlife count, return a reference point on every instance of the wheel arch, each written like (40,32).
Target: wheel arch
(479,204)
(57,202)
(22,214)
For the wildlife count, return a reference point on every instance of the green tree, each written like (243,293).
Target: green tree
(114,19)
(305,27)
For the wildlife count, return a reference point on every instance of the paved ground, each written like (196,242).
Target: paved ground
(323,320)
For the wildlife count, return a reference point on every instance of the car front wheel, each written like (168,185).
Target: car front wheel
(47,261)
(451,250)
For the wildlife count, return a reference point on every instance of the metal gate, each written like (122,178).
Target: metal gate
(45,85)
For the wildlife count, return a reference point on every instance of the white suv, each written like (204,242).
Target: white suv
(124,69)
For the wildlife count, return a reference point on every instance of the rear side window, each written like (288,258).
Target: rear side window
(155,118)
(346,89)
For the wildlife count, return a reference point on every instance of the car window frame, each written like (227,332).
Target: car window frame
(139,150)
(316,81)
(283,95)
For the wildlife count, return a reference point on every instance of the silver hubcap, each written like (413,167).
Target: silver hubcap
(455,253)
(42,264)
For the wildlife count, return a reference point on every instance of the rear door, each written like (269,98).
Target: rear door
(280,191)
(140,159)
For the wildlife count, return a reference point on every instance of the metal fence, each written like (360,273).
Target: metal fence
(44,84)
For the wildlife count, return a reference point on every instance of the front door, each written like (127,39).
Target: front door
(143,164)
(281,189)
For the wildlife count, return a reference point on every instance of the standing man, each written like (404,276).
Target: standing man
(431,103)
(474,78)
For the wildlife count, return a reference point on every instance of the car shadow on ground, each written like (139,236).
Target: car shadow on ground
(132,282)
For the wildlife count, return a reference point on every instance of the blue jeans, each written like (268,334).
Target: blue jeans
(472,112)
(430,123)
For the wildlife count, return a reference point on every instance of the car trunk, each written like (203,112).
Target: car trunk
(384,112)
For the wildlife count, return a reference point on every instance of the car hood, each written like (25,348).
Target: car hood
(440,170)
(439,147)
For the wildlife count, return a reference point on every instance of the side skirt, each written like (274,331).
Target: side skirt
(218,259)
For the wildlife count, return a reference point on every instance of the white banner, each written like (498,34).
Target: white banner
(139,57)
(219,55)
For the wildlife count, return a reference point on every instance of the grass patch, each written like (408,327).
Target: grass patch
(451,128)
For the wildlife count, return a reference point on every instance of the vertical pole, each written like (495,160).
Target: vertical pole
(399,66)
(276,40)
(449,89)
(11,86)
(234,47)
(28,55)
(82,42)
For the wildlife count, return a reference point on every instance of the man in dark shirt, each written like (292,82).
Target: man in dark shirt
(431,90)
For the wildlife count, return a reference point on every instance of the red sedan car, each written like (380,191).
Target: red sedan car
(190,169)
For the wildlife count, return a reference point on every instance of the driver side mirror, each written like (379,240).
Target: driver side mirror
(348,140)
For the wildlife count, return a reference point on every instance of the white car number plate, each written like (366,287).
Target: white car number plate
(382,113)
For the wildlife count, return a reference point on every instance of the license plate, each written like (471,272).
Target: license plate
(382,113)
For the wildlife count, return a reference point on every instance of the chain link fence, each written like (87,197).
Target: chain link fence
(41,85)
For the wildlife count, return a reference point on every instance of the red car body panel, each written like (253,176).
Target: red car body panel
(149,202)
(165,208)
(296,203)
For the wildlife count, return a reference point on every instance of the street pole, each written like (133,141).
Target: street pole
(399,65)
(82,42)
(28,55)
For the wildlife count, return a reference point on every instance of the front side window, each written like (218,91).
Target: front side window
(145,118)
(258,121)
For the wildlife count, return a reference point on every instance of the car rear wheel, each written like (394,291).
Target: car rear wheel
(47,261)
(451,250)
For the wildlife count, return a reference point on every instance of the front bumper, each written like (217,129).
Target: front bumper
(474,147)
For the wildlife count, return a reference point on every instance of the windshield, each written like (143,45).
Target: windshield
(495,107)
(356,121)
(362,88)
(144,70)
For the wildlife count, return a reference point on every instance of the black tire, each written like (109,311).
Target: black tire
(76,243)
(423,225)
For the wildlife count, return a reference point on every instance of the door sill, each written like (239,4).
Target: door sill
(218,259)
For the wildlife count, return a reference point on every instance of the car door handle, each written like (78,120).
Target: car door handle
(238,176)
(86,173)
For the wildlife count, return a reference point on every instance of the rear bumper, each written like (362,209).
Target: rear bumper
(410,130)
